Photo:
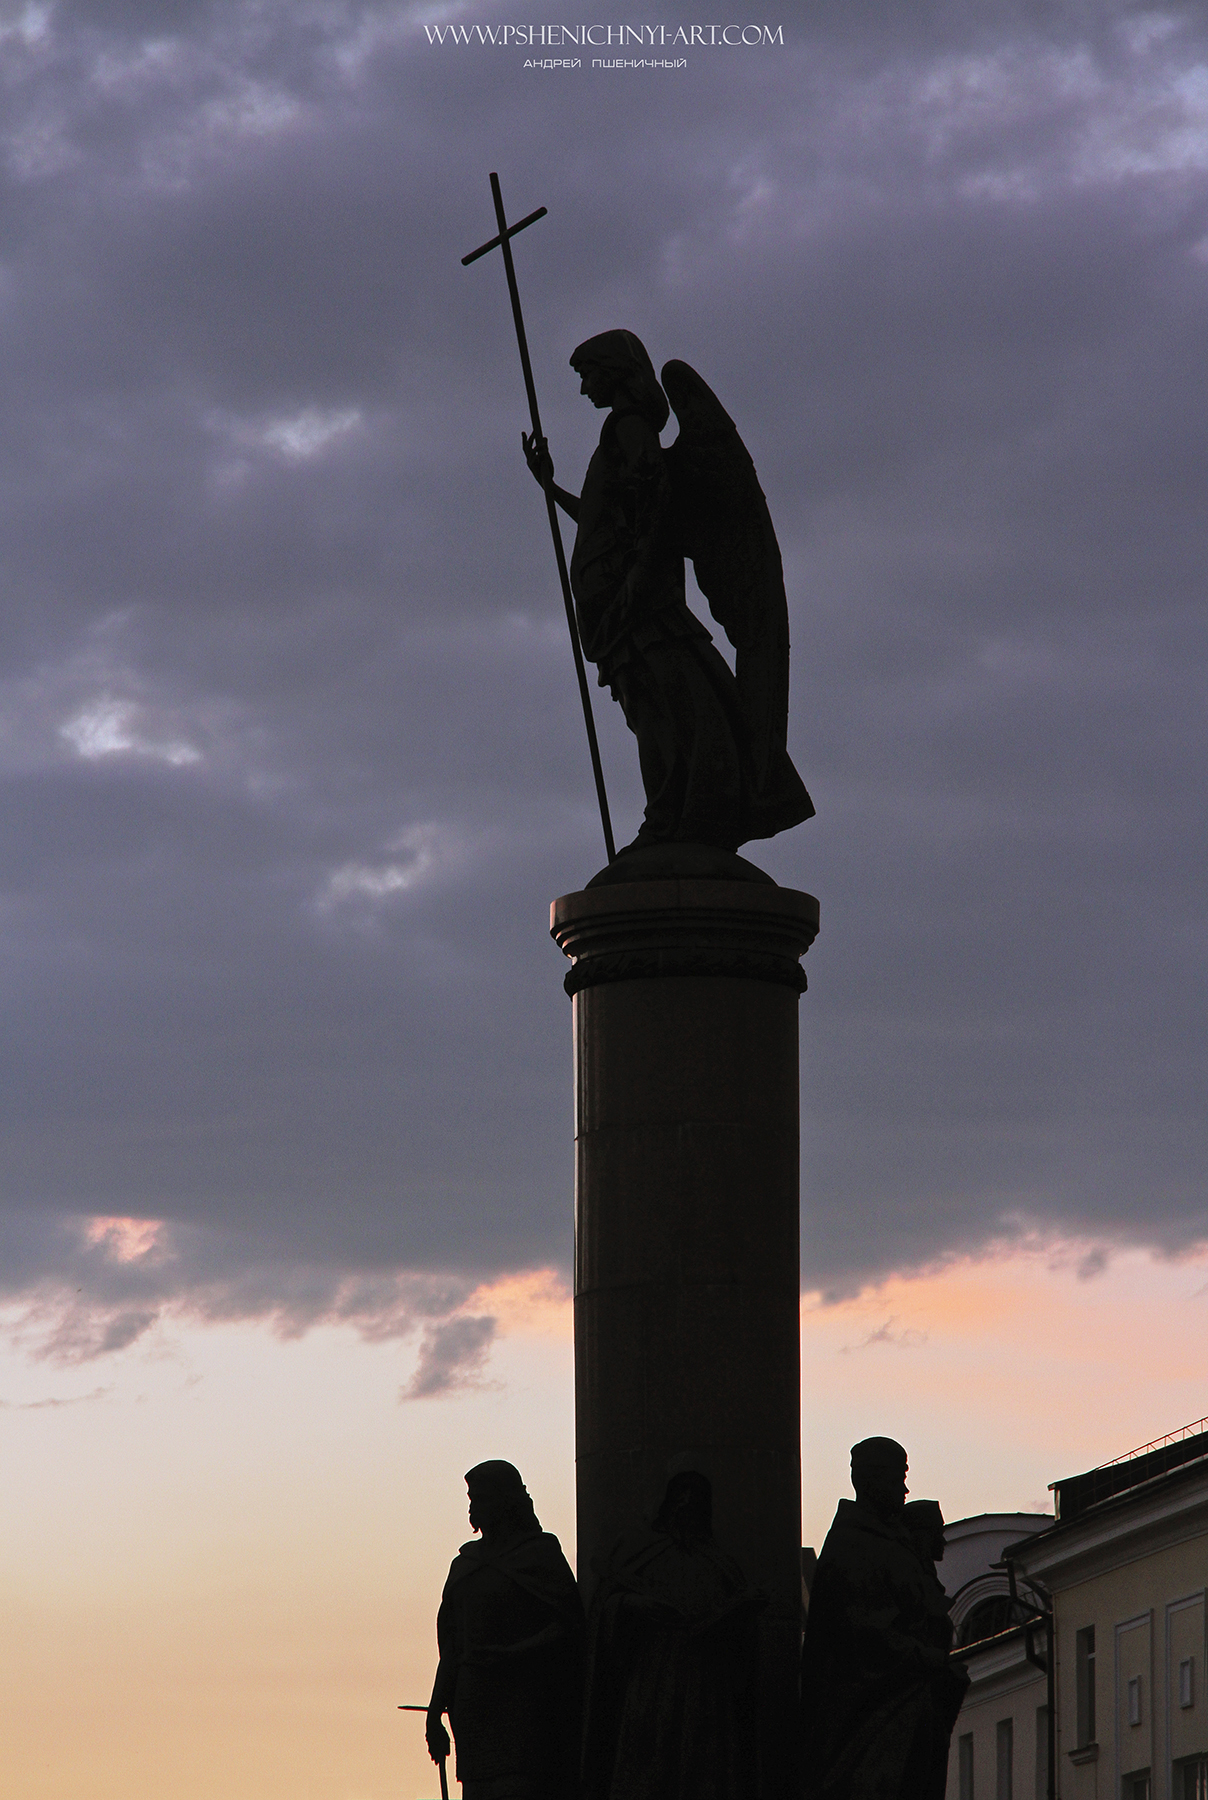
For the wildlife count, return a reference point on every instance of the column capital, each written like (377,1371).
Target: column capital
(650,929)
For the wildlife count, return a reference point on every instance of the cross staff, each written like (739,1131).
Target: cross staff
(506,232)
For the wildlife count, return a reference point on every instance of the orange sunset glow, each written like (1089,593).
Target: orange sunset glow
(478,814)
(224,1555)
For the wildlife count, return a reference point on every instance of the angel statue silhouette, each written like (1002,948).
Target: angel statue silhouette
(712,745)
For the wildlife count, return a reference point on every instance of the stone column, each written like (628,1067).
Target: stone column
(687,1275)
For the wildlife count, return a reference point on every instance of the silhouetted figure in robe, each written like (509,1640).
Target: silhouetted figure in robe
(510,1633)
(924,1524)
(712,744)
(879,1696)
(672,1662)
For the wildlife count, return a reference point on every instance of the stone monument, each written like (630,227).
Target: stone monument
(880,1694)
(509,1631)
(685,981)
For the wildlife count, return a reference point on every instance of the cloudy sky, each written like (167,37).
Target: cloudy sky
(290,760)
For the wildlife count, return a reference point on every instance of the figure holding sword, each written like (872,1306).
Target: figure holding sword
(509,1631)
(440,1760)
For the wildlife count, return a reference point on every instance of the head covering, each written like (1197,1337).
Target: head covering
(624,356)
(500,1481)
(924,1522)
(878,1453)
(690,1490)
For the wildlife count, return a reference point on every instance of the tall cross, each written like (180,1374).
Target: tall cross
(503,242)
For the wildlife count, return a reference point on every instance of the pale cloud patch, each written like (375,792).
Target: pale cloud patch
(414,857)
(1146,29)
(452,1356)
(149,62)
(378,30)
(54,1401)
(297,438)
(27,26)
(123,1278)
(93,703)
(529,1303)
(1164,130)
(40,147)
(963,93)
(208,109)
(124,1240)
(306,434)
(1086,1260)
(1147,116)
(251,109)
(110,727)
(66,1334)
(900,1337)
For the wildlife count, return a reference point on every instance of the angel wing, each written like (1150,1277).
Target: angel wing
(721,520)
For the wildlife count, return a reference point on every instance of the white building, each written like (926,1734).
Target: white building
(1126,1564)
(1000,1747)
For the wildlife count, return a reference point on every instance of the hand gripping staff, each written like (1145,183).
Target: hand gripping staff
(444,1780)
(506,232)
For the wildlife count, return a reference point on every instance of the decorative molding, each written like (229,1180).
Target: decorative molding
(1124,1724)
(1124,1529)
(1085,1753)
(645,965)
(650,930)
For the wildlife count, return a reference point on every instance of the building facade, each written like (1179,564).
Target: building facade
(1000,1747)
(1126,1566)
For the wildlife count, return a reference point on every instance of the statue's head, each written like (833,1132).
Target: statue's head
(878,1474)
(687,1509)
(615,371)
(924,1522)
(498,1498)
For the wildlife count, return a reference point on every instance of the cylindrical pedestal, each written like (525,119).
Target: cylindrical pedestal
(687,1347)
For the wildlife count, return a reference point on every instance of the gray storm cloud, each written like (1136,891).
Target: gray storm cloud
(290,766)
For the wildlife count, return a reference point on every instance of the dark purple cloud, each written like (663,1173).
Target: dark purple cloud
(290,765)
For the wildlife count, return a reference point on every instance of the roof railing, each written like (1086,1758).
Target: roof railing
(1172,1437)
(1074,1493)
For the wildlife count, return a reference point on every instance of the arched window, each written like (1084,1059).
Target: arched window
(996,1613)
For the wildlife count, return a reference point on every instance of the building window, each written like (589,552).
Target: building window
(1084,1680)
(1134,1699)
(1004,1755)
(964,1751)
(1136,1787)
(1187,1681)
(1042,1753)
(1191,1779)
(997,1612)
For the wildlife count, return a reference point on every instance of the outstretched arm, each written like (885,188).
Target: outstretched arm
(541,467)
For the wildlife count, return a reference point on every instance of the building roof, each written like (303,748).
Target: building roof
(1075,1493)
(1150,1500)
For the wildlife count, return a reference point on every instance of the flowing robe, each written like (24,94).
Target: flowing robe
(515,1718)
(878,1698)
(671,1675)
(675,688)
